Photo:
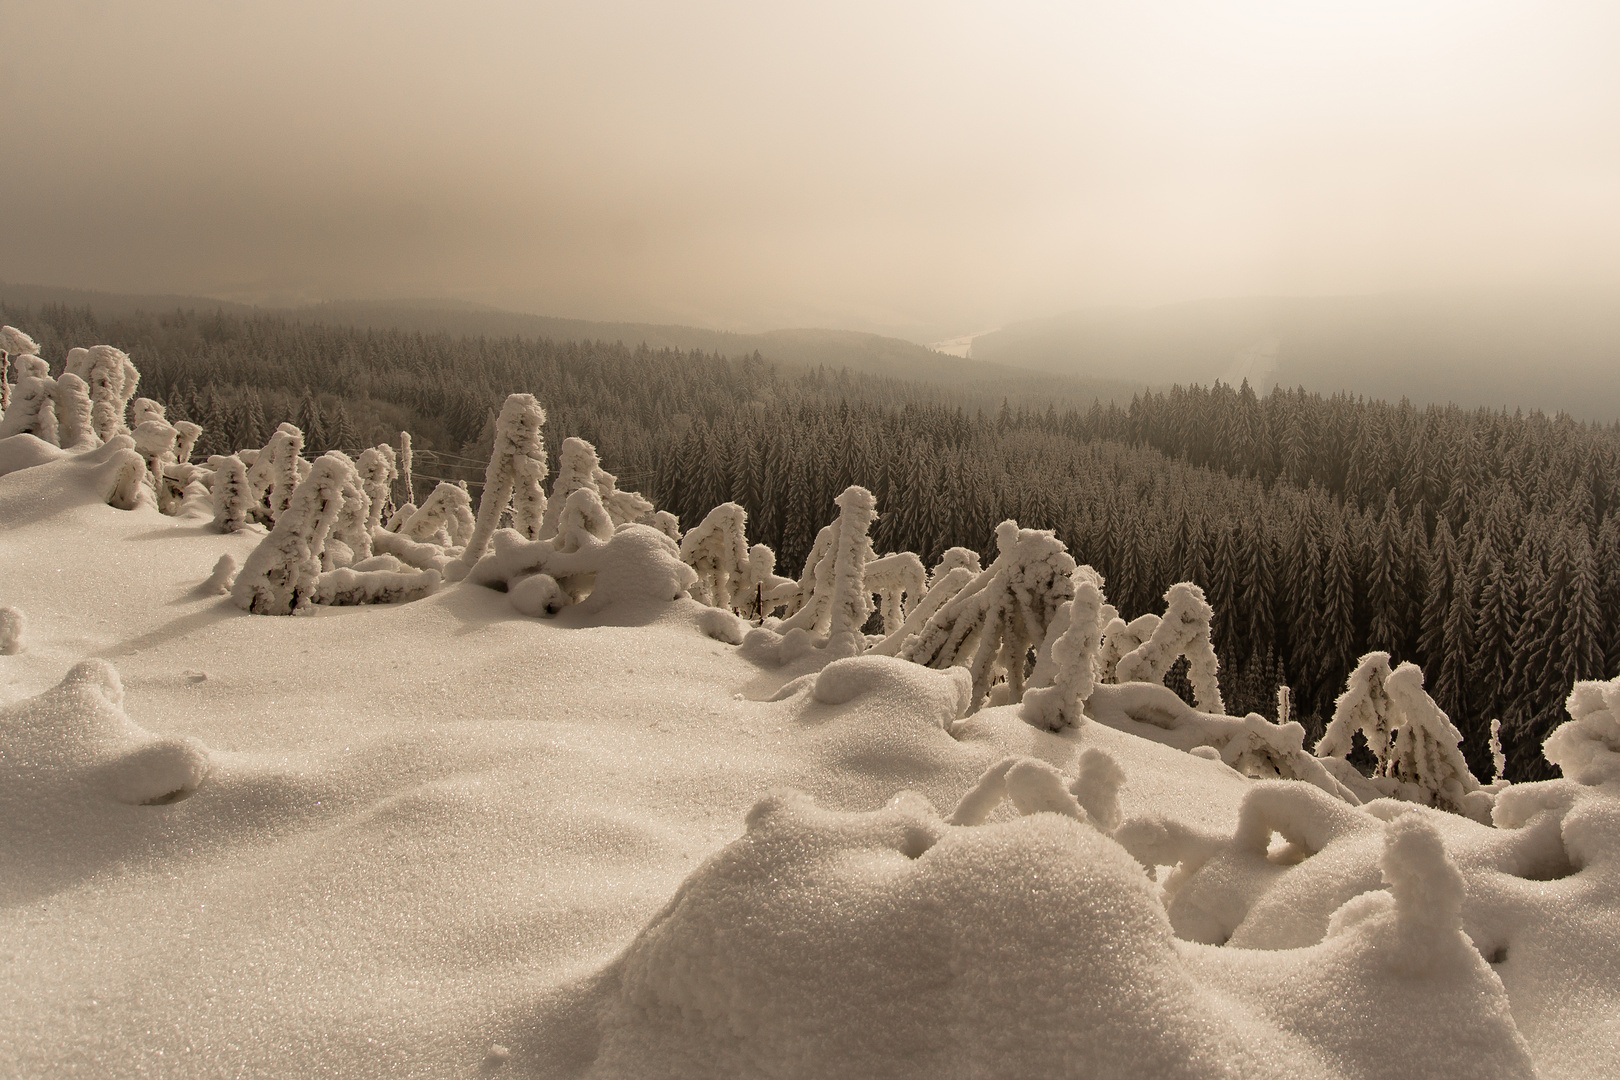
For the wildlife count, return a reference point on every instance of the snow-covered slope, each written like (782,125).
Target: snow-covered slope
(445,839)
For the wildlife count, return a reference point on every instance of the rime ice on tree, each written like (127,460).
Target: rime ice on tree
(899,581)
(112,379)
(717,549)
(1066,670)
(1415,744)
(1183,631)
(517,466)
(993,623)
(839,601)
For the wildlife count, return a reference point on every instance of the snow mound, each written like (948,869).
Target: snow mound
(24,451)
(892,943)
(629,577)
(75,742)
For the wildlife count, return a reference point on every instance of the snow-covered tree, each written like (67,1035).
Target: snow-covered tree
(13,343)
(233,494)
(940,592)
(1416,746)
(444,518)
(898,580)
(1120,639)
(186,434)
(33,407)
(517,466)
(154,441)
(1586,747)
(143,409)
(717,549)
(761,584)
(1066,669)
(406,458)
(635,566)
(839,601)
(577,467)
(1183,631)
(583,520)
(279,577)
(991,625)
(378,472)
(112,378)
(75,424)
(273,474)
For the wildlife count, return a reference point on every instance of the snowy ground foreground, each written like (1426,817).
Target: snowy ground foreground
(444,839)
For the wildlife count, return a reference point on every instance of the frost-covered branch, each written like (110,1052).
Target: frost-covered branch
(1183,631)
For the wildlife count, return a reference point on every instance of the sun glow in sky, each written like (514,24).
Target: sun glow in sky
(919,168)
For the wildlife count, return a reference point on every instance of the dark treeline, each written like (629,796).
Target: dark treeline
(1483,545)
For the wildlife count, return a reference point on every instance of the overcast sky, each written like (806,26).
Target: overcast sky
(925,169)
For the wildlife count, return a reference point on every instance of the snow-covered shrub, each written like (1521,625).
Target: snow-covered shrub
(422,556)
(1034,787)
(517,466)
(584,519)
(232,493)
(274,472)
(577,466)
(1587,746)
(143,409)
(991,625)
(1417,924)
(112,378)
(793,600)
(1252,745)
(666,523)
(1065,671)
(840,601)
(1416,746)
(284,574)
(185,441)
(717,549)
(154,441)
(75,423)
(898,580)
(378,472)
(351,529)
(635,567)
(13,627)
(1183,631)
(280,576)
(760,583)
(444,518)
(120,471)
(13,343)
(33,407)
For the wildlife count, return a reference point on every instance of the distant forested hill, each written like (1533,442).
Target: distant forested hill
(1552,352)
(870,353)
(1483,544)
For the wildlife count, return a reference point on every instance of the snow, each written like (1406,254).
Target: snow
(448,838)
